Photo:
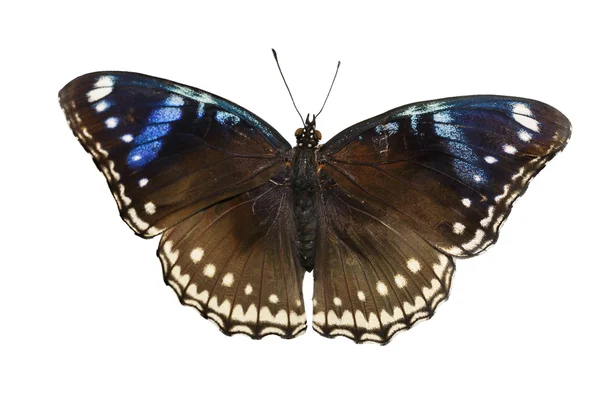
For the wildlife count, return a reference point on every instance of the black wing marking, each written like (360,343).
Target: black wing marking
(168,150)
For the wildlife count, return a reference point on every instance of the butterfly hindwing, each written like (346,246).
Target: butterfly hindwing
(236,263)
(372,278)
(168,150)
(405,191)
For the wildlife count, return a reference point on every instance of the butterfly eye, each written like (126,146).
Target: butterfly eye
(318,135)
(299,131)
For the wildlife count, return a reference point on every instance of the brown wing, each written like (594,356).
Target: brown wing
(374,276)
(168,150)
(405,191)
(236,263)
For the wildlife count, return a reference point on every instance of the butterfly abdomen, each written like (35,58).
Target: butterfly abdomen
(305,186)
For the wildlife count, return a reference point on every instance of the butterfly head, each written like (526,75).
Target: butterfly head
(308,136)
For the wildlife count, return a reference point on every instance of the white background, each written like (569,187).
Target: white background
(84,310)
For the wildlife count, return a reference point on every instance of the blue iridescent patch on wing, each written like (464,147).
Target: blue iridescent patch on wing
(142,155)
(174,101)
(444,117)
(152,132)
(226,119)
(414,123)
(448,132)
(464,161)
(469,172)
(165,114)
(390,128)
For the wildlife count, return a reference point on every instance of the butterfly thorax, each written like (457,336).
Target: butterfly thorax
(308,137)
(305,187)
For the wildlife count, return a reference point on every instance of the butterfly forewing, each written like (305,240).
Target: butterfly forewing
(405,191)
(168,150)
(450,169)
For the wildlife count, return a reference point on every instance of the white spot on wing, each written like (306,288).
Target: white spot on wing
(490,159)
(510,149)
(458,228)
(527,122)
(520,108)
(105,81)
(150,208)
(273,298)
(248,289)
(209,270)
(400,281)
(101,106)
(382,288)
(524,136)
(127,138)
(227,279)
(142,182)
(197,254)
(413,265)
(466,202)
(96,94)
(361,295)
(337,301)
(112,122)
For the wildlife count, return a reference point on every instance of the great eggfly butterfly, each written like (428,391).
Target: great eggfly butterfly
(379,212)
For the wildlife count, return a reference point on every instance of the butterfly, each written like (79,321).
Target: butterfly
(379,213)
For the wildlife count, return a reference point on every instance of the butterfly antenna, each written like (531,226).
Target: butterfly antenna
(330,87)
(287,87)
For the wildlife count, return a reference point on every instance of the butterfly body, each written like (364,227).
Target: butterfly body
(378,213)
(305,194)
